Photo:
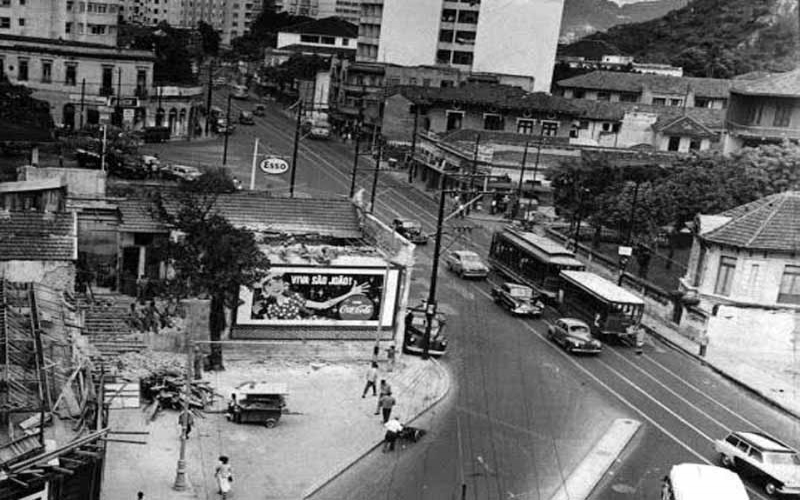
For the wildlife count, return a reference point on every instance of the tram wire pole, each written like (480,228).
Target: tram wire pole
(180,474)
(294,149)
(522,175)
(375,176)
(430,307)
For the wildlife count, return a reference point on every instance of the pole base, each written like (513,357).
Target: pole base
(180,477)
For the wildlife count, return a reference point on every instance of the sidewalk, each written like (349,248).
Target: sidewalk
(329,427)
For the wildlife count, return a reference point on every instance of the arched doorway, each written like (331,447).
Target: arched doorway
(92,116)
(159,117)
(68,114)
(182,122)
(173,119)
(140,118)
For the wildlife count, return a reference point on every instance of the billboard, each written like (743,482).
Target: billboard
(320,296)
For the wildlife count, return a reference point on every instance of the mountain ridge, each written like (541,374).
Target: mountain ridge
(583,17)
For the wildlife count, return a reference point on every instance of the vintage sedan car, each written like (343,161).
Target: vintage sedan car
(764,459)
(410,230)
(260,110)
(184,172)
(467,264)
(701,482)
(519,299)
(574,336)
(246,118)
(416,322)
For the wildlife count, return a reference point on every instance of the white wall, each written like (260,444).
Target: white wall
(518,37)
(410,32)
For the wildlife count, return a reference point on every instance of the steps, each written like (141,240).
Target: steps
(107,327)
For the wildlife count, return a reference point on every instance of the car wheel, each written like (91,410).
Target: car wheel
(727,461)
(270,423)
(770,488)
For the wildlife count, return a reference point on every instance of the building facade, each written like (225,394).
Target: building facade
(328,33)
(71,20)
(518,37)
(349,10)
(763,111)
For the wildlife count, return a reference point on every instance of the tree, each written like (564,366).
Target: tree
(211,257)
(210,38)
(173,63)
(19,109)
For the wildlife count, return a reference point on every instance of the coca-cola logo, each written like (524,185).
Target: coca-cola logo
(357,307)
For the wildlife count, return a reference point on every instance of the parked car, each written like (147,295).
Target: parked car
(222,126)
(184,172)
(410,230)
(467,264)
(701,482)
(574,335)
(246,118)
(416,322)
(519,299)
(260,110)
(764,459)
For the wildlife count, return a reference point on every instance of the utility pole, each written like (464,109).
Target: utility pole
(355,159)
(253,167)
(581,193)
(83,99)
(375,177)
(227,133)
(413,144)
(468,208)
(296,144)
(103,150)
(633,214)
(208,98)
(430,307)
(119,96)
(180,473)
(522,172)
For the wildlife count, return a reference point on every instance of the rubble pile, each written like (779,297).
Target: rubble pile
(140,365)
(167,391)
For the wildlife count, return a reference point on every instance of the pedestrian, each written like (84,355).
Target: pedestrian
(140,285)
(391,353)
(639,336)
(386,403)
(186,421)
(197,361)
(153,316)
(384,390)
(393,428)
(133,318)
(376,351)
(703,341)
(493,208)
(140,496)
(224,476)
(372,377)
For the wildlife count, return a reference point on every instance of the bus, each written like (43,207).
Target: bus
(531,260)
(609,310)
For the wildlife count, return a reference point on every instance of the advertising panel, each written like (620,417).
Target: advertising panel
(320,296)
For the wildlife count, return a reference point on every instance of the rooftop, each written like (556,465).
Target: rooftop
(328,26)
(636,82)
(601,286)
(38,236)
(771,223)
(69,46)
(615,111)
(316,49)
(781,84)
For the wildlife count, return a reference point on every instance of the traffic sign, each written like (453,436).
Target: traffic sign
(274,166)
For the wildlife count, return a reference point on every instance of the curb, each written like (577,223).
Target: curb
(321,484)
(727,376)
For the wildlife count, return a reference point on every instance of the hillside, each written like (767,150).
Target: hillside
(583,17)
(715,38)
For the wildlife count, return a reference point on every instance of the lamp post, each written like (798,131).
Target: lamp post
(180,474)
(227,133)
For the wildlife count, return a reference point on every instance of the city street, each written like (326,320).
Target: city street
(521,413)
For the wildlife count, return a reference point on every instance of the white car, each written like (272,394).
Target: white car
(763,458)
(467,264)
(184,172)
(702,482)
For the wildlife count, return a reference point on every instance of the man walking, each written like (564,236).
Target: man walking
(386,403)
(372,378)
(385,389)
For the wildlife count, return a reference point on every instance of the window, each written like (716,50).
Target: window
(492,121)
(345,42)
(71,73)
(674,143)
(426,82)
(448,83)
(327,40)
(462,57)
(465,37)
(412,81)
(627,97)
(309,38)
(454,120)
(727,268)
(603,96)
(5,3)
(606,127)
(106,86)
(141,83)
(446,36)
(47,71)
(21,21)
(97,29)
(676,102)
(659,101)
(578,93)
(694,145)
(783,115)
(549,128)
(702,102)
(789,292)
(448,16)
(468,17)
(68,28)
(443,56)
(5,23)
(22,70)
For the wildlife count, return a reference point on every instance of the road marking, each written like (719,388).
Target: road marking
(585,477)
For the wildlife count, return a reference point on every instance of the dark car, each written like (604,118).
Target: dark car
(260,110)
(519,299)
(416,323)
(574,336)
(246,118)
(762,458)
(410,230)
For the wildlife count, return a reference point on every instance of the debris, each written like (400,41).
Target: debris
(166,391)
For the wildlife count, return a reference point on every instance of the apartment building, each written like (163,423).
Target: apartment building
(514,37)
(349,10)
(70,20)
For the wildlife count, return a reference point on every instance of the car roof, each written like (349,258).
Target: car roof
(463,253)
(705,482)
(573,322)
(763,442)
(509,284)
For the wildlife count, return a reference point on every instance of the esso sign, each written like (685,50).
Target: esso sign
(274,166)
(357,307)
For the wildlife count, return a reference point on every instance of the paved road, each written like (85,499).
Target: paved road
(522,412)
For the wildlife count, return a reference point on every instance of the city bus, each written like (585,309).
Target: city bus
(609,310)
(531,260)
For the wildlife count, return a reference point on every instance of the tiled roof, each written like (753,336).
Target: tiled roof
(713,119)
(328,26)
(782,84)
(38,236)
(771,223)
(332,217)
(490,95)
(635,82)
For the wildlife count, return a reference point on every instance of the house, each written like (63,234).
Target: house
(651,89)
(331,34)
(748,256)
(765,110)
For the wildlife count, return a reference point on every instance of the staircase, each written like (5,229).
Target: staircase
(107,328)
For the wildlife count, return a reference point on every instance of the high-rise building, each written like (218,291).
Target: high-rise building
(349,10)
(513,37)
(70,20)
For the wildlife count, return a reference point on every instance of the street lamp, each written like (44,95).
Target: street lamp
(180,474)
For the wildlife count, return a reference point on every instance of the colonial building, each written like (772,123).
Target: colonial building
(651,89)
(762,111)
(328,33)
(749,255)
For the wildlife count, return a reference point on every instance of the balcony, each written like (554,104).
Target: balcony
(761,132)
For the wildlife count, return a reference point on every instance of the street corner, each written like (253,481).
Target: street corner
(419,385)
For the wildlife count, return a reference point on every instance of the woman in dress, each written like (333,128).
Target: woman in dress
(280,302)
(224,476)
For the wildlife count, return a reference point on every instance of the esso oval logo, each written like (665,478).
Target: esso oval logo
(274,166)
(357,307)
